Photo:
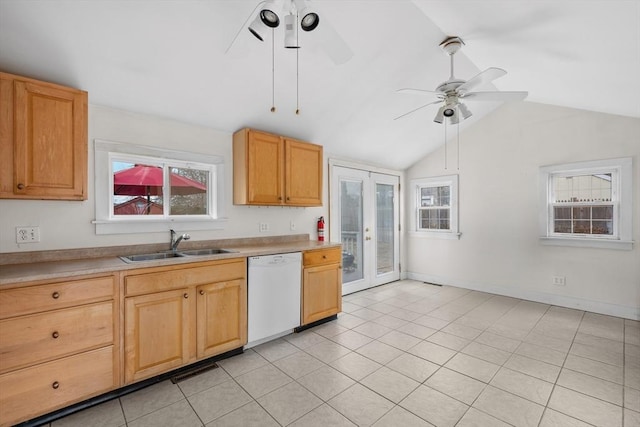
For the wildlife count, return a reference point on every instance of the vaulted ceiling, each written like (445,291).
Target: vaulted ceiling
(178,59)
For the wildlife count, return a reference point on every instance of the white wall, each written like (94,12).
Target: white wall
(499,250)
(65,225)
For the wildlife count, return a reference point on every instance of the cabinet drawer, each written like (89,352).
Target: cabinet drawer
(322,256)
(34,391)
(183,277)
(31,339)
(34,299)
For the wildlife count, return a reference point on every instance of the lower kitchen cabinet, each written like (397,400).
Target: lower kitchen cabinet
(156,333)
(59,344)
(222,317)
(177,315)
(321,284)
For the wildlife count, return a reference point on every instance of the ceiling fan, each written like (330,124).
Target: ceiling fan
(452,92)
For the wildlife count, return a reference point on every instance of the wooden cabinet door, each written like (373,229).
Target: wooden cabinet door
(50,141)
(264,169)
(303,173)
(321,292)
(221,317)
(157,333)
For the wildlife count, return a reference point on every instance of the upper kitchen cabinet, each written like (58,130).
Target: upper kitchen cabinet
(43,140)
(274,170)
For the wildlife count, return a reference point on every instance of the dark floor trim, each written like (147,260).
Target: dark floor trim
(60,413)
(316,323)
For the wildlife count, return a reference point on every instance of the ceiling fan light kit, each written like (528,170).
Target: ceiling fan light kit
(453,91)
(299,13)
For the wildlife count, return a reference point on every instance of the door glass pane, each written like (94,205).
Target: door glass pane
(351,232)
(384,228)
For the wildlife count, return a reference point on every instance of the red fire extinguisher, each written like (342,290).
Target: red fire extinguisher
(321,229)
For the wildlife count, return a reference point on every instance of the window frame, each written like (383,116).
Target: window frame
(439,181)
(621,200)
(166,165)
(108,223)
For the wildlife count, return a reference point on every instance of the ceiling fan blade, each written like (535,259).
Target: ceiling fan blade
(495,96)
(419,108)
(420,92)
(486,76)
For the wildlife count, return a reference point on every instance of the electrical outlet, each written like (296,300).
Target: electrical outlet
(27,234)
(263,226)
(292,226)
(558,280)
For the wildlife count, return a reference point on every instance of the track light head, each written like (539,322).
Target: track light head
(269,18)
(290,32)
(309,20)
(439,118)
(464,111)
(266,19)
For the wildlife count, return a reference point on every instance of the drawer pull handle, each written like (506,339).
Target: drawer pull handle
(201,292)
(55,295)
(324,257)
(55,335)
(55,385)
(186,295)
(20,186)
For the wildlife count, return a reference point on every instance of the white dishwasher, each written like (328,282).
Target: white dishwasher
(274,296)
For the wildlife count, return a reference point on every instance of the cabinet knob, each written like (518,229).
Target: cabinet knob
(324,257)
(201,292)
(288,199)
(186,295)
(55,295)
(20,186)
(279,198)
(55,334)
(55,385)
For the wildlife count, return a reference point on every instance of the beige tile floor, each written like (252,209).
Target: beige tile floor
(412,354)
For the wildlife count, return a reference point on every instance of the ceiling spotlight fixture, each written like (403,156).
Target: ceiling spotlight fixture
(265,20)
(290,32)
(269,18)
(464,111)
(309,18)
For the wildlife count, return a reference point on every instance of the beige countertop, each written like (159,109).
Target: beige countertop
(45,267)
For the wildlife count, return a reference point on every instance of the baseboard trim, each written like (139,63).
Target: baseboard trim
(627,312)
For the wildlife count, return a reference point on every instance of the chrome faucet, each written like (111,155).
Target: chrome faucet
(175,242)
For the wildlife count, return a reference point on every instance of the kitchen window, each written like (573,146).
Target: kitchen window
(587,204)
(436,206)
(142,189)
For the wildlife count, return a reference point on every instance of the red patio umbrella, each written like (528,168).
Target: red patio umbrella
(144,180)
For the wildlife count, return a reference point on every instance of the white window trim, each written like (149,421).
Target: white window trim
(106,223)
(623,238)
(450,180)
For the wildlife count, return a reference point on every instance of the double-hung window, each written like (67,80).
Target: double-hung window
(436,206)
(587,203)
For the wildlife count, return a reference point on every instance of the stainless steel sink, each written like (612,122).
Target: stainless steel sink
(199,252)
(168,255)
(151,257)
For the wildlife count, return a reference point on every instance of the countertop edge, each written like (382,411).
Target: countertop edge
(20,274)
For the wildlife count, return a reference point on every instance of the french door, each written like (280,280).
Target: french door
(364,215)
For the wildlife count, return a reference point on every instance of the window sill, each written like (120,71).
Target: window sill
(625,245)
(436,235)
(151,226)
